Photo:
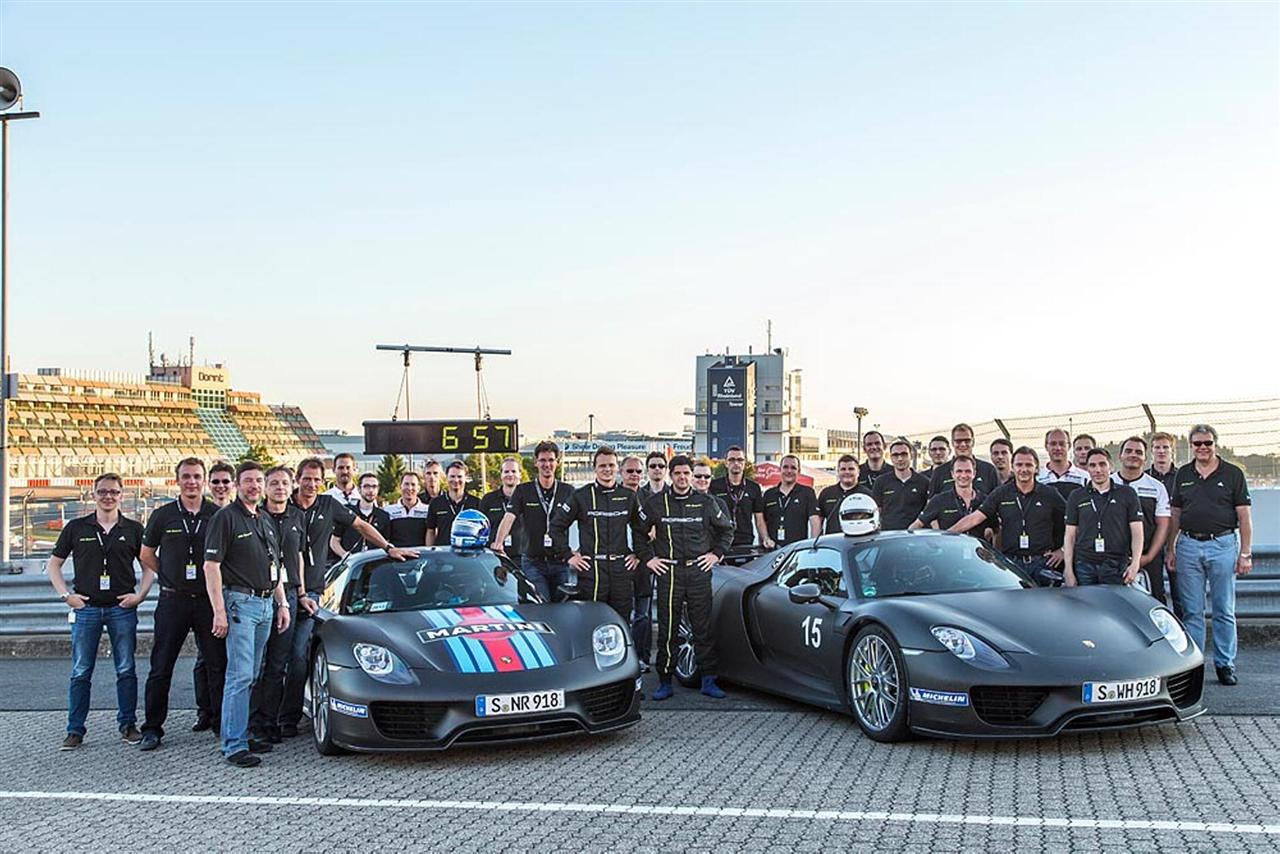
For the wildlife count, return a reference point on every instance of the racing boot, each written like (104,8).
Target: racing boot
(711,689)
(664,691)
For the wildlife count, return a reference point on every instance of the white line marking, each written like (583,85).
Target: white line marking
(658,809)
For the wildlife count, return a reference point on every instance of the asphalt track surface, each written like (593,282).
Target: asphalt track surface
(748,773)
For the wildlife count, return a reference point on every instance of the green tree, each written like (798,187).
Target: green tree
(721,470)
(531,470)
(493,468)
(390,471)
(260,455)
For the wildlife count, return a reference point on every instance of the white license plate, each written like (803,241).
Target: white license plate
(530,702)
(1121,692)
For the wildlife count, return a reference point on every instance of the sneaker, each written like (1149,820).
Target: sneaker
(256,746)
(289,730)
(1227,675)
(664,691)
(244,759)
(130,735)
(150,741)
(202,724)
(711,689)
(72,741)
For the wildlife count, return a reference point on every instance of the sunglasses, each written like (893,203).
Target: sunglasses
(657,465)
(633,471)
(220,482)
(1203,443)
(702,477)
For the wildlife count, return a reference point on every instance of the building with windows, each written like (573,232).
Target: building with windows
(752,400)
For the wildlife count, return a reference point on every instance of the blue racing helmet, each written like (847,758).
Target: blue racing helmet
(470,530)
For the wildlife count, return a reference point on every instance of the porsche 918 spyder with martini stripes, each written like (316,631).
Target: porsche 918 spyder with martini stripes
(454,647)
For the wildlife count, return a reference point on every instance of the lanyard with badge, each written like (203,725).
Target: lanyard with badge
(783,504)
(1099,542)
(506,508)
(546,502)
(190,571)
(268,542)
(308,556)
(104,581)
(1024,539)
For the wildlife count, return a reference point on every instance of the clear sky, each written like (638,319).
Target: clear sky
(949,211)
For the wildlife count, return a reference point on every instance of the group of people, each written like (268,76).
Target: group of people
(242,567)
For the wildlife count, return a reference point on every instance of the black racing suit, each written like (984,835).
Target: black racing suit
(604,514)
(686,526)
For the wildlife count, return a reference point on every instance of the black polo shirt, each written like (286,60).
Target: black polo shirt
(868,476)
(786,517)
(1106,515)
(532,505)
(947,508)
(246,545)
(289,527)
(101,558)
(178,537)
(1209,504)
(900,500)
(1039,515)
(494,505)
(408,526)
(1169,478)
(744,501)
(829,502)
(443,510)
(985,477)
(351,539)
(319,522)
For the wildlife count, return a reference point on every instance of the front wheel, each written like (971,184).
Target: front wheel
(686,655)
(878,685)
(321,731)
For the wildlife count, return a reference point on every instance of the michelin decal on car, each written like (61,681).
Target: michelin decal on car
(353,710)
(940,698)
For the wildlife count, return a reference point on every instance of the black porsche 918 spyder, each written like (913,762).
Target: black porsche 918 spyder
(454,647)
(938,634)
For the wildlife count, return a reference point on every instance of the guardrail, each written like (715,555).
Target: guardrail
(28,605)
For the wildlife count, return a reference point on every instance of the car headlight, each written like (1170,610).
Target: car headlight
(609,643)
(381,663)
(970,648)
(1172,631)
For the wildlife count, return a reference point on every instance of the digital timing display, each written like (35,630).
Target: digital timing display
(440,437)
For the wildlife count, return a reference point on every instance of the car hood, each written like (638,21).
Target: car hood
(493,638)
(1065,621)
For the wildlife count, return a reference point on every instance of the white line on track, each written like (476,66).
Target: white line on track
(659,809)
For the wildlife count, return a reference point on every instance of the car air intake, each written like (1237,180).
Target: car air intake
(1185,688)
(409,721)
(1001,705)
(607,701)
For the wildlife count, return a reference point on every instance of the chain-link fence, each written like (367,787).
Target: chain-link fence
(1248,430)
(36,523)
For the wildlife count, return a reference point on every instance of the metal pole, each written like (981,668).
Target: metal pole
(4,339)
(484,458)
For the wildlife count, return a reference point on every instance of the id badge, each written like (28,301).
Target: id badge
(782,534)
(275,573)
(546,541)
(507,541)
(1099,545)
(104,582)
(191,572)
(1024,541)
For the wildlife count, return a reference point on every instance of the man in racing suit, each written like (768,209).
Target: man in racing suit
(692,533)
(604,510)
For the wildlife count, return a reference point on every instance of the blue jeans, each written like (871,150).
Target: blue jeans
(250,621)
(86,632)
(1213,561)
(1088,572)
(545,575)
(295,680)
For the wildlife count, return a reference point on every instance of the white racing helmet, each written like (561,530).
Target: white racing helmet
(859,515)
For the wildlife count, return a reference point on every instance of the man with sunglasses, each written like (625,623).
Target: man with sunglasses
(221,492)
(103,547)
(985,479)
(1211,528)
(744,498)
(702,483)
(791,508)
(632,473)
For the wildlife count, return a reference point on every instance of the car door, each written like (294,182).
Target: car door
(798,642)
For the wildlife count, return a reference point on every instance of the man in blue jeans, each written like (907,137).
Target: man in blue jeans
(103,547)
(245,580)
(543,562)
(1211,531)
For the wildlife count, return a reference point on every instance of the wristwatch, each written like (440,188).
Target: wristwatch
(63,596)
(1248,555)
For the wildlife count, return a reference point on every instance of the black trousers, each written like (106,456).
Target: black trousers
(685,587)
(177,615)
(205,710)
(266,698)
(610,582)
(641,621)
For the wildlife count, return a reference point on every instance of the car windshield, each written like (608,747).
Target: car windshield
(923,564)
(437,579)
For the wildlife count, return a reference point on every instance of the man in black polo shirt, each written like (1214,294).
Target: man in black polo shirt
(985,479)
(446,506)
(1001,451)
(951,505)
(103,547)
(1212,533)
(791,508)
(533,503)
(830,497)
(744,498)
(347,539)
(876,465)
(495,504)
(939,452)
(243,574)
(902,495)
(1031,516)
(1103,539)
(1164,467)
(173,549)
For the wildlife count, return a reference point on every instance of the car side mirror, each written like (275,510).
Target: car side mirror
(805,594)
